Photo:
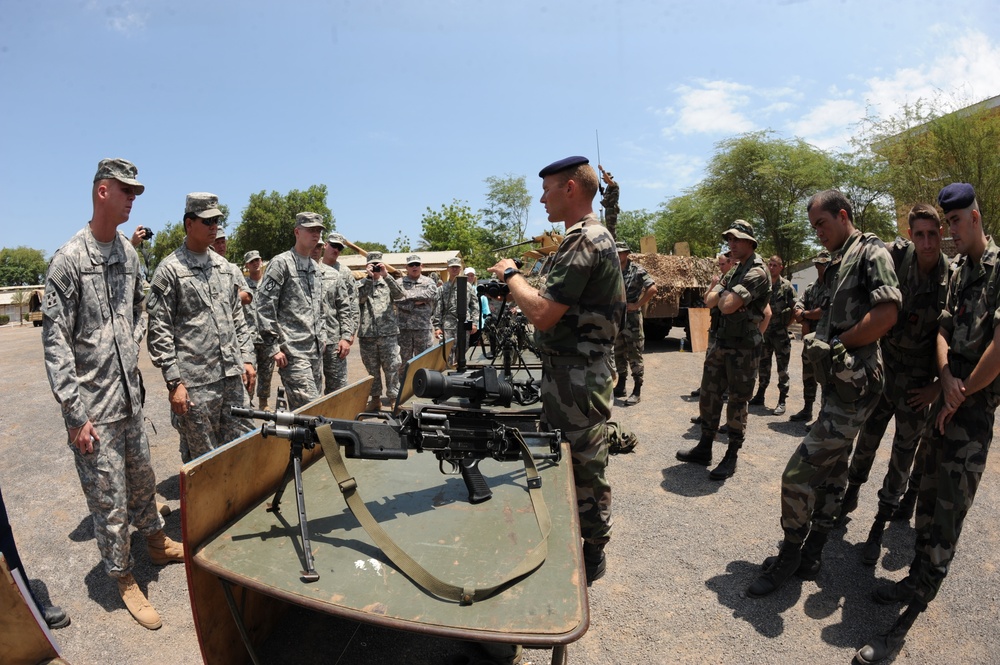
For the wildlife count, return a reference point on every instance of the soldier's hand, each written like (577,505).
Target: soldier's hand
(921,398)
(280,360)
(83,437)
(953,391)
(945,416)
(249,377)
(343,348)
(179,402)
(501,265)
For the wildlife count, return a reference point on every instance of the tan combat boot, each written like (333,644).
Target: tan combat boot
(162,550)
(137,604)
(263,404)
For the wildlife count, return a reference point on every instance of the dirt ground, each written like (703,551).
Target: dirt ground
(684,549)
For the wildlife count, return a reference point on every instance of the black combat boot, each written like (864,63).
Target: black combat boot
(634,398)
(906,505)
(887,644)
(701,453)
(780,409)
(902,591)
(805,414)
(758,399)
(849,503)
(812,556)
(727,467)
(872,549)
(620,386)
(787,563)
(594,561)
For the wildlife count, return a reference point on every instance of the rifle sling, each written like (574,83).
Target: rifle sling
(464,595)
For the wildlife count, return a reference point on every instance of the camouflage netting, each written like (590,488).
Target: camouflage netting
(673,274)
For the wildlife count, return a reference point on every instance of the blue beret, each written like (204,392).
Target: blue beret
(563,165)
(956,196)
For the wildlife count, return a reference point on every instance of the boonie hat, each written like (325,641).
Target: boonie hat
(250,256)
(309,220)
(121,170)
(822,257)
(622,247)
(740,229)
(956,196)
(374,257)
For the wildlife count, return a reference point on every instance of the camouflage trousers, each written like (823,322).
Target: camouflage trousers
(953,467)
(381,355)
(727,369)
(302,378)
(334,370)
(265,370)
(577,400)
(812,485)
(910,426)
(629,346)
(119,484)
(411,344)
(808,381)
(777,344)
(208,423)
(451,332)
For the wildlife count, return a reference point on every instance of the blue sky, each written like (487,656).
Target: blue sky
(400,106)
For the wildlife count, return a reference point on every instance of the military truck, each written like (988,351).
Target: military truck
(35,307)
(680,283)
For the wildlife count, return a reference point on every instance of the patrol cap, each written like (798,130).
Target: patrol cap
(622,247)
(220,233)
(374,257)
(413,258)
(956,196)
(121,170)
(740,229)
(309,220)
(336,239)
(822,257)
(563,165)
(250,256)
(470,271)
(203,205)
(455,262)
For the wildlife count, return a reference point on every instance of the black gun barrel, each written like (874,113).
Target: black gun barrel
(278,417)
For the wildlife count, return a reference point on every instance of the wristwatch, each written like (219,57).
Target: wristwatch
(173,383)
(508,273)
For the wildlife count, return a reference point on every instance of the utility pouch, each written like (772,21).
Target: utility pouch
(850,375)
(817,353)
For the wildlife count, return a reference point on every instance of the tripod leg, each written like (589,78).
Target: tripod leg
(275,506)
(309,574)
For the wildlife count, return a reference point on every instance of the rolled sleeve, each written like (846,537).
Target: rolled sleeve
(884,294)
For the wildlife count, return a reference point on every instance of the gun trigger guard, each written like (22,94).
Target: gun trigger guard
(348,485)
(534,483)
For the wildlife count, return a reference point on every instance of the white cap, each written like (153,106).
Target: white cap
(470,271)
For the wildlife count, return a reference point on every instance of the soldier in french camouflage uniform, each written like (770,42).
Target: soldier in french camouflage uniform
(445,317)
(198,336)
(291,313)
(414,312)
(808,311)
(864,303)
(379,329)
(91,332)
(336,352)
(739,301)
(263,362)
(639,288)
(576,315)
(776,341)
(968,363)
(911,385)
(609,200)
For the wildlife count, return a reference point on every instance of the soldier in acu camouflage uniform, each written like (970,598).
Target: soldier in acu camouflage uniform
(336,352)
(291,313)
(639,288)
(379,329)
(91,332)
(198,336)
(968,363)
(808,311)
(414,312)
(263,362)
(446,310)
(739,301)
(340,320)
(911,384)
(576,315)
(776,341)
(864,303)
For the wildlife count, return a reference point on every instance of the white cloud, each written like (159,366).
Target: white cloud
(123,16)
(712,108)
(829,124)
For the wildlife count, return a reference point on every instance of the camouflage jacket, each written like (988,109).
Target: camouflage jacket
(913,340)
(782,299)
(636,280)
(416,308)
(250,311)
(445,315)
(752,283)
(339,305)
(585,274)
(859,277)
(971,312)
(609,201)
(815,295)
(92,328)
(354,314)
(290,307)
(197,331)
(378,316)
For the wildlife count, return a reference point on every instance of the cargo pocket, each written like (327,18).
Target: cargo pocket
(850,376)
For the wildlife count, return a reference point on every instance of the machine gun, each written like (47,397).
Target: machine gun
(460,437)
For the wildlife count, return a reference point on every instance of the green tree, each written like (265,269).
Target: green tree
(20,298)
(689,218)
(456,226)
(505,216)
(863,178)
(369,247)
(633,225)
(269,220)
(767,181)
(402,243)
(22,266)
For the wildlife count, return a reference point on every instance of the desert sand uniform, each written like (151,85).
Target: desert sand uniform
(379,333)
(291,319)
(198,335)
(335,367)
(91,332)
(577,356)
(414,312)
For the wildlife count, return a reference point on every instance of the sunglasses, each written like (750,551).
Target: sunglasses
(410,265)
